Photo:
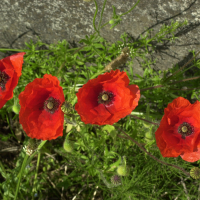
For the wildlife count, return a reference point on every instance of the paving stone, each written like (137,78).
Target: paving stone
(54,20)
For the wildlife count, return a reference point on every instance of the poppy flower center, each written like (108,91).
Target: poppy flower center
(3,79)
(51,105)
(106,98)
(185,129)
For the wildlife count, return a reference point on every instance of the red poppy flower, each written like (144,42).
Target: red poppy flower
(107,98)
(10,71)
(40,113)
(179,130)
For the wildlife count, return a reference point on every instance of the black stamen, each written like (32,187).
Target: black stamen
(51,105)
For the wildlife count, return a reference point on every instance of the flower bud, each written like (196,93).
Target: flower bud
(68,147)
(149,135)
(116,180)
(16,109)
(67,107)
(147,125)
(69,128)
(112,21)
(78,128)
(195,173)
(122,170)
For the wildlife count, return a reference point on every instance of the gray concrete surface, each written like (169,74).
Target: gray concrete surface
(54,20)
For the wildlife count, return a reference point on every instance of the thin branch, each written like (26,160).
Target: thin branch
(187,79)
(143,149)
(122,136)
(185,89)
(183,66)
(174,82)
(157,124)
(153,87)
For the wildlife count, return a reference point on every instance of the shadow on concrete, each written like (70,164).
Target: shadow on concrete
(166,21)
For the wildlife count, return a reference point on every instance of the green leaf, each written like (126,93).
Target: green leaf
(115,164)
(5,137)
(99,46)
(106,150)
(138,76)
(66,184)
(108,128)
(79,62)
(84,157)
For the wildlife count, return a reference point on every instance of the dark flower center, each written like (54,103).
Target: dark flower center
(185,129)
(51,105)
(3,79)
(116,179)
(106,98)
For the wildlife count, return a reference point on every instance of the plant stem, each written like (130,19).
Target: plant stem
(143,149)
(186,89)
(95,14)
(37,167)
(20,175)
(153,87)
(182,67)
(186,79)
(123,13)
(25,162)
(158,86)
(157,124)
(39,147)
(130,9)
(14,50)
(101,15)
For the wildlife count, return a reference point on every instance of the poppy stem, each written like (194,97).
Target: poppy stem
(36,173)
(38,148)
(157,124)
(20,175)
(143,149)
(26,161)
(122,136)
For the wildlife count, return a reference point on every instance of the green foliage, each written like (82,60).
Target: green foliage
(88,156)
